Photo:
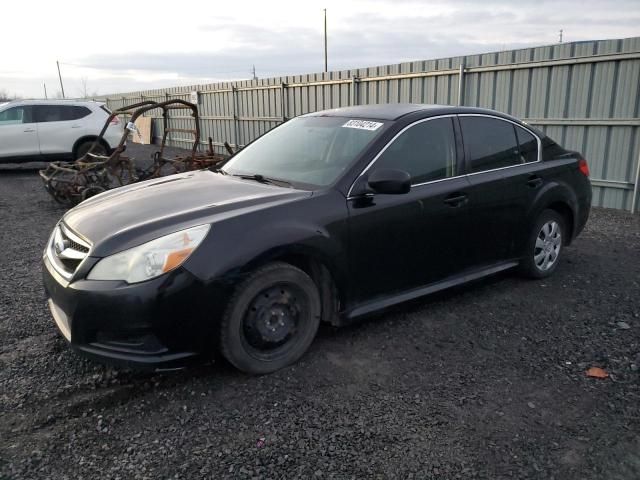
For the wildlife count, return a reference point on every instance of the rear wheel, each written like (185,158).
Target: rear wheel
(271,319)
(83,149)
(544,245)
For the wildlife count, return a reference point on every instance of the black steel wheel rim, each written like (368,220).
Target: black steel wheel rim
(274,319)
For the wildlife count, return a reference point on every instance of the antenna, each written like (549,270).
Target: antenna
(45,91)
(253,72)
(560,35)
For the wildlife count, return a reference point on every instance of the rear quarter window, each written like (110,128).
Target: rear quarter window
(528,145)
(80,112)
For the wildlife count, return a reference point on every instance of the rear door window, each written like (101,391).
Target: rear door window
(490,143)
(60,113)
(426,151)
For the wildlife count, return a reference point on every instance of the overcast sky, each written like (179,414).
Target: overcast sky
(189,42)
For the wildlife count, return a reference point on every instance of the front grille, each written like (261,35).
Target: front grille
(76,246)
(66,251)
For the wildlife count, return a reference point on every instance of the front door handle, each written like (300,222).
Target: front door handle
(30,130)
(456,200)
(76,126)
(534,181)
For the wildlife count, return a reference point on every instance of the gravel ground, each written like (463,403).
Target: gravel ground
(484,381)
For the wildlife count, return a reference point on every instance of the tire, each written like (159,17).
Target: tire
(83,148)
(271,319)
(544,245)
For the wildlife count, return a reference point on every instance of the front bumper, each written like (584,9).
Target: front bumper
(167,322)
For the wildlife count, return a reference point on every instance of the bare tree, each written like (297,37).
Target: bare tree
(5,97)
(84,91)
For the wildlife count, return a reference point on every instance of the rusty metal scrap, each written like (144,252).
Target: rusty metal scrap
(72,182)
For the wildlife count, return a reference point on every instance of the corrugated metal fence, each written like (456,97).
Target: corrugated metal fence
(585,95)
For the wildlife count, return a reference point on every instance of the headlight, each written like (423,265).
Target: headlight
(150,259)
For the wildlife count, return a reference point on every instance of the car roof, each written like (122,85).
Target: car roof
(50,102)
(389,111)
(394,111)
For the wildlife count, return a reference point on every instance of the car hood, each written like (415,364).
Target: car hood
(131,215)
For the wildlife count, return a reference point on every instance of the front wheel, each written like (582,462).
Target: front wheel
(271,319)
(544,245)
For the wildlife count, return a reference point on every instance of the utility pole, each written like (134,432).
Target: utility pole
(253,72)
(560,35)
(60,77)
(45,90)
(325,40)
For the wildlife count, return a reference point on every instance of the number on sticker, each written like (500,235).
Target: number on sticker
(363,124)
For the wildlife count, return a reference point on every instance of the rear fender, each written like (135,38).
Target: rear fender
(554,192)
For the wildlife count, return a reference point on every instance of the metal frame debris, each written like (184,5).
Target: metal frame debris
(72,182)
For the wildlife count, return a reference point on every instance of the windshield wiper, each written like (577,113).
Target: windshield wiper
(262,179)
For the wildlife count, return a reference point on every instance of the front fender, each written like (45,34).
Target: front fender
(314,228)
(302,241)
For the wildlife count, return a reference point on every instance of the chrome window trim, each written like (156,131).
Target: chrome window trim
(436,181)
(422,120)
(538,142)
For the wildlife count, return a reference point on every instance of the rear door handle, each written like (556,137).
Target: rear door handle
(30,130)
(534,181)
(76,126)
(456,200)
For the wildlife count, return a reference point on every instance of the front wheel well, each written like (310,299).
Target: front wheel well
(565,211)
(320,273)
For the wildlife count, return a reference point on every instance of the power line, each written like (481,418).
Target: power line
(60,76)
(325,41)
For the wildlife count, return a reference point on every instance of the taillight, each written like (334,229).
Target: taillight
(115,121)
(583,167)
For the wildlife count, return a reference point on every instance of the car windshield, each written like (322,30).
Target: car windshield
(306,150)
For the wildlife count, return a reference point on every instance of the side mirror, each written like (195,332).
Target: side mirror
(390,181)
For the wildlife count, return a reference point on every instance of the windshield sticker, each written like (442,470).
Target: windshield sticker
(362,124)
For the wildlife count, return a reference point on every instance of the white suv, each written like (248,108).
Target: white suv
(54,129)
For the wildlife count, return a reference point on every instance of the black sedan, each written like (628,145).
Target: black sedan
(328,217)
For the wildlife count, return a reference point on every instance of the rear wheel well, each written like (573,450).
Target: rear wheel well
(330,295)
(88,138)
(567,215)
